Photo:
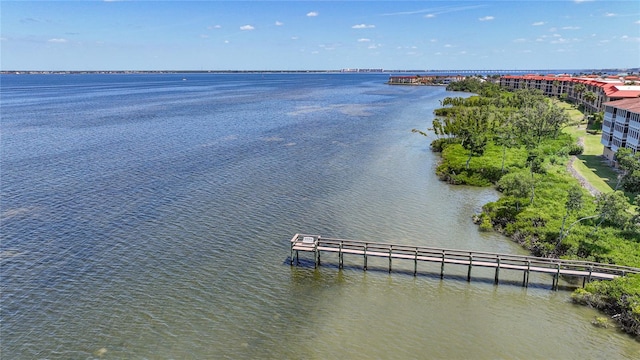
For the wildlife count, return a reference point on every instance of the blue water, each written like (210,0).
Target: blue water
(147,216)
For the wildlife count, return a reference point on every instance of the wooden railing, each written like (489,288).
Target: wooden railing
(556,267)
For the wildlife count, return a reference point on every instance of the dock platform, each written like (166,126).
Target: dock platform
(588,271)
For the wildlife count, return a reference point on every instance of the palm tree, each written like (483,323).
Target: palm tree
(590,97)
(579,88)
(556,85)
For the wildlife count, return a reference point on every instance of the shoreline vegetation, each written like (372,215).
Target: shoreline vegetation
(536,152)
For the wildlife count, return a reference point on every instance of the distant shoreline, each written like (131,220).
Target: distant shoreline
(341,71)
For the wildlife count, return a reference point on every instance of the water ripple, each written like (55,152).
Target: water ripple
(157,226)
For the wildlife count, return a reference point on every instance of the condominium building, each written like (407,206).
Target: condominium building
(618,97)
(621,126)
(590,91)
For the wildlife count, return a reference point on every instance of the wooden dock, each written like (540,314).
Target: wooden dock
(526,264)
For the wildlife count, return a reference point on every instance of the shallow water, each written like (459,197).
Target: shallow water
(144,216)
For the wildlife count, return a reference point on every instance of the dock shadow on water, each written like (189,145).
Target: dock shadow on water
(310,269)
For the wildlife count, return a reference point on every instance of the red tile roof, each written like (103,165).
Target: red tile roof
(632,105)
(621,91)
(611,89)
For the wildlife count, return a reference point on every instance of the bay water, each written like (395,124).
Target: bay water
(148,216)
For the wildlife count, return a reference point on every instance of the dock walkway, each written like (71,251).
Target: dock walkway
(526,264)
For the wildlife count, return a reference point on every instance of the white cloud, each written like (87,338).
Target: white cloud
(637,22)
(204,36)
(364,40)
(59,40)
(610,14)
(214,27)
(571,28)
(312,14)
(246,27)
(363,26)
(430,16)
(486,18)
(520,40)
(538,23)
(581,1)
(278,23)
(629,38)
(330,46)
(437,11)
(294,38)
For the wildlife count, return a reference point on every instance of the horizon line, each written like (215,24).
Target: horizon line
(344,70)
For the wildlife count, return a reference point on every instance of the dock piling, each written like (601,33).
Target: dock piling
(415,263)
(365,257)
(527,264)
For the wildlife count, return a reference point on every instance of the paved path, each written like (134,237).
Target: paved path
(581,179)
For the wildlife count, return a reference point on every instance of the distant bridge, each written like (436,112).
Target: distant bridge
(526,264)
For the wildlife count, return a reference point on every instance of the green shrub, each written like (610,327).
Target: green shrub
(601,322)
(438,145)
(485,224)
(619,297)
(575,149)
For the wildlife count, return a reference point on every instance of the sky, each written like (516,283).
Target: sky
(318,35)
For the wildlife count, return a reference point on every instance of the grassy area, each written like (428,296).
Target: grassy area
(592,145)
(590,165)
(575,115)
(596,172)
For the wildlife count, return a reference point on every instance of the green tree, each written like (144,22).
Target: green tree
(590,97)
(516,184)
(629,162)
(573,203)
(470,84)
(579,88)
(505,137)
(612,208)
(470,127)
(541,120)
(556,86)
